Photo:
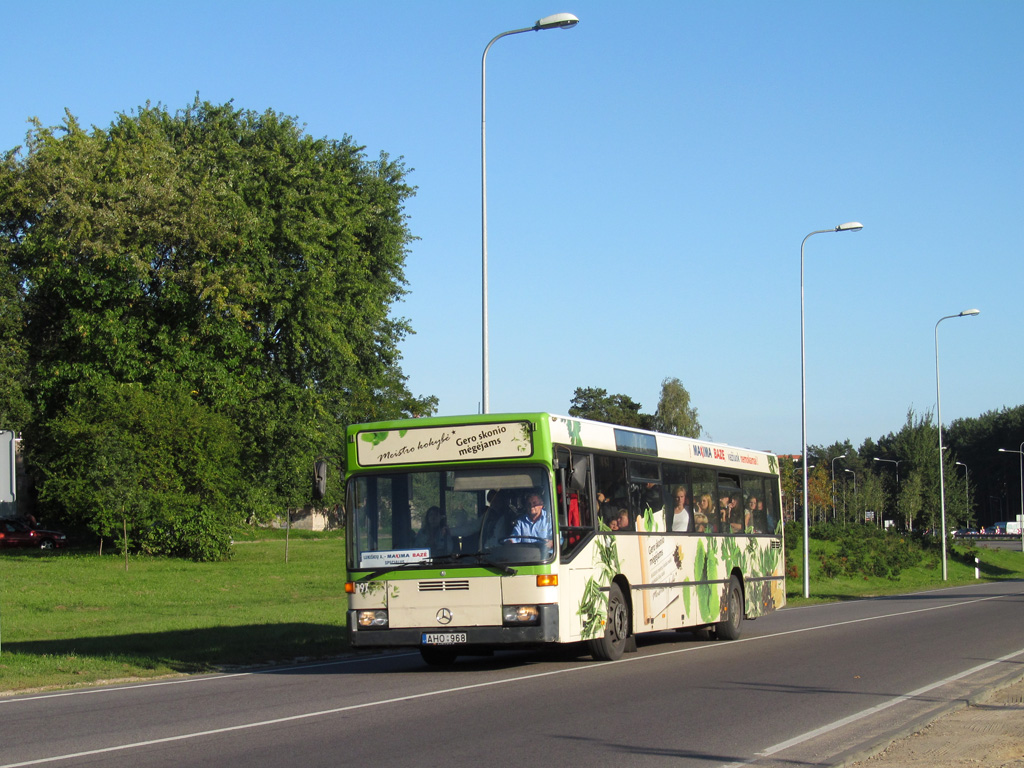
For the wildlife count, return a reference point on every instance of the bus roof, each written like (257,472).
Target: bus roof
(486,437)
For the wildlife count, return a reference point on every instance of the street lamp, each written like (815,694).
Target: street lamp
(967,485)
(938,409)
(557,21)
(843,456)
(804,492)
(1021,516)
(897,463)
(850,226)
(854,494)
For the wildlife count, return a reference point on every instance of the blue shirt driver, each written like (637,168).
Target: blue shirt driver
(535,525)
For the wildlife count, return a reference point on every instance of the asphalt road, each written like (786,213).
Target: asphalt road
(812,684)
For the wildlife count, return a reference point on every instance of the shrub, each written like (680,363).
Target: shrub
(864,550)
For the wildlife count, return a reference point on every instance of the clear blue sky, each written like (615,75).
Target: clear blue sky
(651,174)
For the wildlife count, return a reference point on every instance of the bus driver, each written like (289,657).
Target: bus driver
(534,525)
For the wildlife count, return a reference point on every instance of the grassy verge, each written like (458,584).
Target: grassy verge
(72,618)
(994,565)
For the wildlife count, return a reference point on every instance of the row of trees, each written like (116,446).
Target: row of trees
(897,477)
(193,306)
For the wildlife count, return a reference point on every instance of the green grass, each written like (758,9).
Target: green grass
(995,564)
(70,618)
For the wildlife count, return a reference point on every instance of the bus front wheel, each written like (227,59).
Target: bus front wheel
(732,627)
(610,646)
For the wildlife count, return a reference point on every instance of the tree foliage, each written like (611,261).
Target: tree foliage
(14,405)
(675,414)
(597,404)
(156,462)
(215,254)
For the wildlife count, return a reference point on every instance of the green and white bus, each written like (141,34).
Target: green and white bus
(476,533)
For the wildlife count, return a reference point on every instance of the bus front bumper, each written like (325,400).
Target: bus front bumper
(545,631)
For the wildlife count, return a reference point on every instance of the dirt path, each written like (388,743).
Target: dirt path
(987,734)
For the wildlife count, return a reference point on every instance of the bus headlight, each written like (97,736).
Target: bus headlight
(372,619)
(518,615)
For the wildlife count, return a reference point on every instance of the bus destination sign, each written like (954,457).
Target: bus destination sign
(427,445)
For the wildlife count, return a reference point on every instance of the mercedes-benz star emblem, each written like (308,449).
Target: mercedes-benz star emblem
(444,616)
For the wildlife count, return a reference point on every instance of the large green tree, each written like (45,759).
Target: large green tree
(14,405)
(595,403)
(220,252)
(675,414)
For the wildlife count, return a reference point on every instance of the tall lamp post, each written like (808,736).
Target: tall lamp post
(938,410)
(967,484)
(1021,518)
(843,456)
(803,491)
(557,21)
(854,493)
(897,463)
(850,226)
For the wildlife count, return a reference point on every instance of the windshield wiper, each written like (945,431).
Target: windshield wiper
(453,557)
(481,560)
(375,572)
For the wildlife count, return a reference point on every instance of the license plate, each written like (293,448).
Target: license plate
(443,638)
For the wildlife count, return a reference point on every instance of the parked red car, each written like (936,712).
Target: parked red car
(15,533)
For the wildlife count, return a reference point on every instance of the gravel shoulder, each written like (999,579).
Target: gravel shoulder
(987,733)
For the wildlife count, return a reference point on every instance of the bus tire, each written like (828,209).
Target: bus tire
(438,656)
(609,647)
(732,627)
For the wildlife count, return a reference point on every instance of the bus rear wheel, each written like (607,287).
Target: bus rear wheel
(732,627)
(610,646)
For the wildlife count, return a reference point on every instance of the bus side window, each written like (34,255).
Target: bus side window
(730,503)
(580,488)
(612,491)
(562,462)
(771,511)
(646,496)
(753,505)
(705,503)
(681,504)
(574,491)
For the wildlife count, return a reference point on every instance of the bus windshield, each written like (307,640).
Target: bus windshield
(499,515)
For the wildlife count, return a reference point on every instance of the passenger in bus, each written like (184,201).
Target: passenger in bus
(722,523)
(703,516)
(434,534)
(751,521)
(618,519)
(682,517)
(735,512)
(770,520)
(612,510)
(499,519)
(651,498)
(534,526)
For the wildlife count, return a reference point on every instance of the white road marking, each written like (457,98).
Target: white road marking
(783,745)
